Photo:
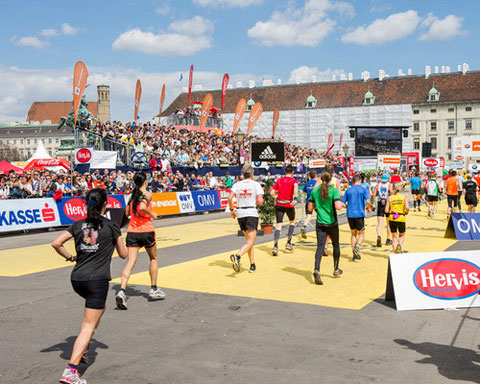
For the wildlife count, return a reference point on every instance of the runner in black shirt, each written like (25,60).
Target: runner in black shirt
(96,238)
(470,188)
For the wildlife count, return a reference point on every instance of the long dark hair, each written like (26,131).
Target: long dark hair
(326,178)
(96,200)
(137,194)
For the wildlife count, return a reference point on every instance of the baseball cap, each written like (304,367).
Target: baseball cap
(385,177)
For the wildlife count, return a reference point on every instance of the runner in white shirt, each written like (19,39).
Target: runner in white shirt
(249,194)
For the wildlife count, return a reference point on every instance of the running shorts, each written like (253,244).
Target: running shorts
(140,239)
(432,199)
(248,222)
(452,201)
(307,211)
(415,192)
(471,199)
(281,211)
(94,292)
(381,210)
(356,223)
(397,226)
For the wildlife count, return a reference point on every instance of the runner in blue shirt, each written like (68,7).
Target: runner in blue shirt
(416,184)
(307,189)
(356,199)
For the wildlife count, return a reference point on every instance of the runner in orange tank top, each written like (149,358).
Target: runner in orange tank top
(140,234)
(452,187)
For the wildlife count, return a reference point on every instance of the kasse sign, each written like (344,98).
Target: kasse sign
(271,151)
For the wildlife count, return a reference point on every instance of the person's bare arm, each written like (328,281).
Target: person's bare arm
(407,206)
(230,205)
(143,206)
(260,200)
(339,205)
(311,206)
(387,206)
(57,244)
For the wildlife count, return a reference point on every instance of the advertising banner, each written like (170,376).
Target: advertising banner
(28,214)
(71,209)
(276,116)
(388,162)
(162,99)
(433,163)
(223,195)
(241,108)
(316,163)
(83,155)
(165,203)
(255,114)
(225,80)
(413,159)
(267,151)
(466,146)
(103,160)
(190,82)
(138,96)
(205,112)
(206,200)
(185,202)
(80,75)
(464,226)
(434,280)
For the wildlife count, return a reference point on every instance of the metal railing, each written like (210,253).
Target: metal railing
(212,122)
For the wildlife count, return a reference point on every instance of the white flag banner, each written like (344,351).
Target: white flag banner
(104,160)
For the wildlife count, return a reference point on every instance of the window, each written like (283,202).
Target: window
(35,141)
(451,110)
(49,141)
(28,141)
(416,111)
(57,140)
(433,110)
(451,125)
(449,156)
(468,109)
(468,125)
(8,142)
(449,142)
(433,140)
(433,126)
(416,127)
(416,144)
(14,142)
(21,141)
(433,97)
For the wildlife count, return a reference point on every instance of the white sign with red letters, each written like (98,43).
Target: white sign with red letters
(22,214)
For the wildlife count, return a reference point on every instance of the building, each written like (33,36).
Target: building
(103,114)
(309,112)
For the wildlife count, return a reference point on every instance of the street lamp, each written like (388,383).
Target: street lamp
(239,138)
(345,151)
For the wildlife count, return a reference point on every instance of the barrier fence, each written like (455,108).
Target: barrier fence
(23,214)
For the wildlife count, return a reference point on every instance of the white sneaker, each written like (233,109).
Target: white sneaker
(70,377)
(121,300)
(157,294)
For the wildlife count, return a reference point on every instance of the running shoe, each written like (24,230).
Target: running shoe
(70,377)
(379,241)
(399,249)
(419,210)
(337,272)
(356,253)
(388,242)
(253,268)
(289,247)
(121,300)
(235,262)
(156,294)
(84,358)
(275,251)
(304,232)
(317,278)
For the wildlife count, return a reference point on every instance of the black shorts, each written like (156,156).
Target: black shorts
(432,199)
(281,211)
(452,201)
(248,222)
(307,211)
(415,192)
(471,199)
(94,292)
(356,223)
(141,239)
(381,210)
(397,226)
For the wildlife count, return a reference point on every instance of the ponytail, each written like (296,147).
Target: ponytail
(96,201)
(326,177)
(137,194)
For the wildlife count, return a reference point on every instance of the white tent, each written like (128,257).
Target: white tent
(40,153)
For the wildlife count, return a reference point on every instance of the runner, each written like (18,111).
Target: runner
(96,237)
(326,200)
(433,190)
(397,207)
(382,191)
(416,185)
(396,178)
(460,190)
(307,189)
(286,191)
(249,195)
(451,190)
(356,199)
(140,233)
(470,188)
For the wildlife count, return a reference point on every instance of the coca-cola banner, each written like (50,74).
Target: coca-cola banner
(434,280)
(45,163)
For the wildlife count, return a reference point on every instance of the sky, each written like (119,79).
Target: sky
(158,40)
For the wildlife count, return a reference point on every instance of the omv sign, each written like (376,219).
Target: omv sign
(448,279)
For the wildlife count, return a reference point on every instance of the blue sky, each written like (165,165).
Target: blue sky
(156,40)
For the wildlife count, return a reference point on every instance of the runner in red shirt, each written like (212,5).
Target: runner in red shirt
(396,178)
(286,191)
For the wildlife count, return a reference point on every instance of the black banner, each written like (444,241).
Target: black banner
(268,151)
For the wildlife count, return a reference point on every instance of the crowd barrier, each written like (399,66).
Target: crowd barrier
(22,214)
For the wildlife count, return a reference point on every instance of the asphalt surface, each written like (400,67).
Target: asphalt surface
(203,338)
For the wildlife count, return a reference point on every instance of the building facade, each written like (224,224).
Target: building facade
(103,113)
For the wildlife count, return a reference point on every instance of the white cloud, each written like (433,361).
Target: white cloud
(32,41)
(49,32)
(304,74)
(163,10)
(306,26)
(185,37)
(229,3)
(442,29)
(394,27)
(68,29)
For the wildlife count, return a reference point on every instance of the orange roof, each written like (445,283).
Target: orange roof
(54,110)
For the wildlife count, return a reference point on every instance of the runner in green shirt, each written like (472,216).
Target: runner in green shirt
(326,200)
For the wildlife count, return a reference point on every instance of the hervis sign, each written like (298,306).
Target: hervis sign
(434,280)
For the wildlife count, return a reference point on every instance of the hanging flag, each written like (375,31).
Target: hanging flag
(226,78)
(255,114)
(181,77)
(341,140)
(207,104)
(190,81)
(138,95)
(276,115)
(162,99)
(80,75)
(241,108)
(330,143)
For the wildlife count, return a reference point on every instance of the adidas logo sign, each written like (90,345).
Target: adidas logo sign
(268,154)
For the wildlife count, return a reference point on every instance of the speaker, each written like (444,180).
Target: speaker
(426,149)
(405,133)
(352,133)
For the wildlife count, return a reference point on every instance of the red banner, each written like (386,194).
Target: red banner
(138,95)
(207,104)
(276,115)
(42,163)
(350,164)
(190,82)
(162,99)
(80,75)
(330,143)
(226,78)
(241,108)
(341,140)
(255,114)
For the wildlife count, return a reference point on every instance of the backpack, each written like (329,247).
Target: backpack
(383,191)
(432,187)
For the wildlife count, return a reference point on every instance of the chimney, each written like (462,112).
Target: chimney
(334,77)
(314,79)
(239,84)
(267,83)
(400,73)
(459,68)
(465,68)
(343,77)
(230,86)
(436,69)
(251,83)
(443,69)
(428,71)
(409,72)
(350,76)
(365,75)
(381,74)
(279,82)
(447,69)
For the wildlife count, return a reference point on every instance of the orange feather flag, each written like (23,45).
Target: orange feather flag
(241,108)
(138,95)
(80,75)
(255,114)
(162,99)
(276,115)
(207,104)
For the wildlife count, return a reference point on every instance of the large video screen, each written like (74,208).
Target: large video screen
(370,141)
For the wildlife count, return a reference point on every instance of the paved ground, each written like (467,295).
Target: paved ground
(274,326)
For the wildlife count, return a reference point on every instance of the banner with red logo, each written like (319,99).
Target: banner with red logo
(434,280)
(351,163)
(341,141)
(138,95)
(80,75)
(190,82)
(223,195)
(162,99)
(72,209)
(45,163)
(241,108)
(276,115)
(255,114)
(225,80)
(205,112)
(388,162)
(83,155)
(330,143)
(165,203)
(17,215)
